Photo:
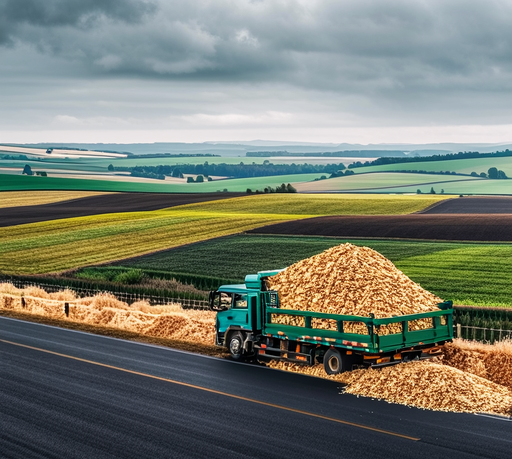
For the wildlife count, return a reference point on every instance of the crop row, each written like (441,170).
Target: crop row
(473,274)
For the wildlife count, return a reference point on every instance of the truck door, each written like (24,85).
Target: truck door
(237,315)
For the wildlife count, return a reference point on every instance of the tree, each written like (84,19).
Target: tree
(190,180)
(442,191)
(199,179)
(291,188)
(27,170)
(418,191)
(110,167)
(432,191)
(176,173)
(502,175)
(483,175)
(474,174)
(492,173)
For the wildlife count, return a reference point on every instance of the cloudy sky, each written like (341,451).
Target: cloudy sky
(364,71)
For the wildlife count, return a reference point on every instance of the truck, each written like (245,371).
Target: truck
(251,324)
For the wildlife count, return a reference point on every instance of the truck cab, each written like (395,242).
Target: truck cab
(239,313)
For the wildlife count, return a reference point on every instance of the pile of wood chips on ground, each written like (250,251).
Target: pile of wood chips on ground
(433,385)
(105,310)
(492,362)
(352,280)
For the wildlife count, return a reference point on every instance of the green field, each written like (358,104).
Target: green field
(10,182)
(462,166)
(476,274)
(58,245)
(382,182)
(477,187)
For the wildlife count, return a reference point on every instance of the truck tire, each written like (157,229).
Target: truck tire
(236,346)
(335,362)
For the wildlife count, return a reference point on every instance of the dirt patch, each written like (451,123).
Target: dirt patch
(462,227)
(105,204)
(472,205)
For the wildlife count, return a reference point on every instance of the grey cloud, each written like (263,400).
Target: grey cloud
(15,14)
(367,56)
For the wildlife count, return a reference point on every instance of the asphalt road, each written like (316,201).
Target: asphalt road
(66,394)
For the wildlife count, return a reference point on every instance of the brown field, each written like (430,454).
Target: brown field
(446,227)
(472,205)
(103,204)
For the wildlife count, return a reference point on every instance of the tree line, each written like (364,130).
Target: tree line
(228,170)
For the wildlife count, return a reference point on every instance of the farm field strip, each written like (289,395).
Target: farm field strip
(29,198)
(323,204)
(468,187)
(10,182)
(467,273)
(369,181)
(463,166)
(59,250)
(69,243)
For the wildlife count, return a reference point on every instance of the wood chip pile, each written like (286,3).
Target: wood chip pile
(105,310)
(493,362)
(347,279)
(423,384)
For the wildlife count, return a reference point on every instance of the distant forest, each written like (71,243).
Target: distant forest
(329,154)
(229,170)
(415,159)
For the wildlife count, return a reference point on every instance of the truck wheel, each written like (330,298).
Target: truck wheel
(236,346)
(335,362)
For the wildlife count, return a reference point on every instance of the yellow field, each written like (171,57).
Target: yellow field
(35,198)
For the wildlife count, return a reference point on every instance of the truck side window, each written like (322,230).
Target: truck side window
(240,301)
(226,299)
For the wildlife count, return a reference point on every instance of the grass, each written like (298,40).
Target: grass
(476,274)
(463,166)
(468,187)
(59,245)
(380,181)
(11,182)
(29,198)
(322,204)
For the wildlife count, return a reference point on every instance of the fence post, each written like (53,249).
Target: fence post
(66,309)
(459,331)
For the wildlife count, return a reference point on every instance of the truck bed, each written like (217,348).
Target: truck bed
(374,336)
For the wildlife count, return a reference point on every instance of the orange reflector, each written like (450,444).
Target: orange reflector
(264,346)
(349,352)
(280,333)
(261,351)
(301,357)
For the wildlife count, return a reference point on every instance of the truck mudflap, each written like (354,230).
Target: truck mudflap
(276,353)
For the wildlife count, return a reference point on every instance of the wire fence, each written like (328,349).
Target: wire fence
(186,303)
(485,335)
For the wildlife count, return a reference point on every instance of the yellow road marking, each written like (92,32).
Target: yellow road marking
(213,391)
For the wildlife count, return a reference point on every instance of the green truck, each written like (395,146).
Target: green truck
(251,324)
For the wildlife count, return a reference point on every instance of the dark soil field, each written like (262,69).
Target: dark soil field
(104,204)
(473,205)
(446,227)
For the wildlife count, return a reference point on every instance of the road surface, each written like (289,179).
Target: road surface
(76,395)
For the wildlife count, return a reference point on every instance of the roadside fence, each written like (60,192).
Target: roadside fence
(186,303)
(485,335)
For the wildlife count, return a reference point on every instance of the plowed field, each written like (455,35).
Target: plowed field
(462,227)
(473,205)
